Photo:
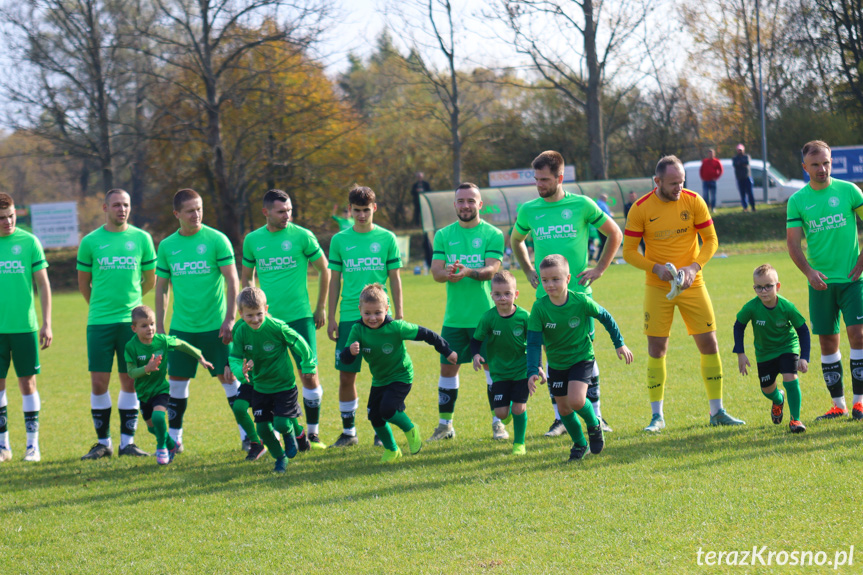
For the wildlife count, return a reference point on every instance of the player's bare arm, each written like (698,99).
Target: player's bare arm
(43,286)
(396,289)
(519,249)
(247,277)
(84,285)
(335,286)
(485,273)
(794,241)
(612,231)
(163,289)
(320,313)
(148,281)
(439,272)
(232,283)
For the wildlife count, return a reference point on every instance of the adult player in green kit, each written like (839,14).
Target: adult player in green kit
(559,222)
(115,269)
(280,253)
(467,253)
(22,262)
(198,262)
(360,255)
(824,212)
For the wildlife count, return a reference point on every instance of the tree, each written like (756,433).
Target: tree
(844,18)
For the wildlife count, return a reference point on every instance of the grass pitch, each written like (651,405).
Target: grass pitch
(647,504)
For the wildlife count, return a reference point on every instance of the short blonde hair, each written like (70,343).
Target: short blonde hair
(374,293)
(503,277)
(252,298)
(765,270)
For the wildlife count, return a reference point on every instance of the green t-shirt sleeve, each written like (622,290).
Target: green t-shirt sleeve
(308,362)
(37,258)
(481,328)
(132,369)
(744,315)
(248,256)
(856,196)
(494,247)
(394,256)
(313,250)
(175,343)
(148,255)
(235,359)
(793,218)
(592,214)
(407,331)
(335,257)
(85,257)
(438,251)
(521,223)
(794,316)
(224,251)
(354,335)
(163,270)
(534,322)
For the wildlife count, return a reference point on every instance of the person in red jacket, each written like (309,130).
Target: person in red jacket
(711,170)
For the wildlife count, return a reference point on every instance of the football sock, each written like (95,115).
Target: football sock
(265,432)
(656,407)
(4,426)
(385,434)
(296,426)
(349,410)
(656,378)
(792,390)
(588,415)
(776,396)
(519,427)
(160,429)
(574,428)
(312,406)
(127,406)
(447,396)
(402,421)
(231,391)
(831,369)
(100,408)
(857,375)
(556,410)
(593,391)
(711,373)
(177,407)
(240,407)
(285,426)
(31,405)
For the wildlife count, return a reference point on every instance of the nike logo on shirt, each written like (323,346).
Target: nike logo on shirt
(810,207)
(539,216)
(454,243)
(654,219)
(176,252)
(103,247)
(259,248)
(350,248)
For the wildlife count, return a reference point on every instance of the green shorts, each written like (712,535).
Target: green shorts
(104,341)
(182,366)
(824,306)
(344,332)
(23,349)
(306,328)
(458,339)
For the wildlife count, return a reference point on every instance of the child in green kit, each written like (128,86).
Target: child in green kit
(559,321)
(144,355)
(380,339)
(781,344)
(260,356)
(503,328)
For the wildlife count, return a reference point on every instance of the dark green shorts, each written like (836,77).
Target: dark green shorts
(182,366)
(21,348)
(824,306)
(344,332)
(458,339)
(306,328)
(104,342)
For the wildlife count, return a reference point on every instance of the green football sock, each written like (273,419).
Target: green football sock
(573,426)
(792,389)
(402,421)
(265,432)
(519,427)
(285,426)
(240,407)
(296,425)
(385,434)
(160,429)
(775,396)
(588,414)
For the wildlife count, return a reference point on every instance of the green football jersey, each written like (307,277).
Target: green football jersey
(138,355)
(384,350)
(20,256)
(467,299)
(561,227)
(774,329)
(506,343)
(116,261)
(268,348)
(192,264)
(282,262)
(362,259)
(829,225)
(565,329)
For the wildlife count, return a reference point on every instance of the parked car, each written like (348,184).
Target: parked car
(780,188)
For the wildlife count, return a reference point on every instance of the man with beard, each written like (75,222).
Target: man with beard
(467,253)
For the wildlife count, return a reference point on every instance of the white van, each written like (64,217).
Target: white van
(779,190)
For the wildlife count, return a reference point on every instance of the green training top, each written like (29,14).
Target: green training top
(268,348)
(385,351)
(21,255)
(467,299)
(344,223)
(138,354)
(830,227)
(506,343)
(282,261)
(566,330)
(362,259)
(774,329)
(561,227)
(192,264)
(115,260)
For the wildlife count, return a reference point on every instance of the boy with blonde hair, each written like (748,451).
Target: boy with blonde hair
(781,344)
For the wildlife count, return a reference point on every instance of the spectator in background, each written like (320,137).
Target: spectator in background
(711,170)
(743,173)
(419,187)
(344,220)
(632,197)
